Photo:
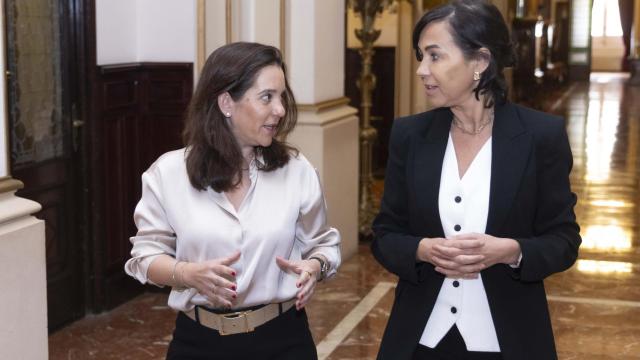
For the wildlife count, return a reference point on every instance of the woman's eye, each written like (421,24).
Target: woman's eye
(433,56)
(266,97)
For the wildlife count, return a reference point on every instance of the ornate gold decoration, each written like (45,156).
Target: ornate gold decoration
(228,26)
(367,11)
(201,27)
(283,38)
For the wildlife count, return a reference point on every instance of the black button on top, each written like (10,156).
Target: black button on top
(457,228)
(456,283)
(458,199)
(454,310)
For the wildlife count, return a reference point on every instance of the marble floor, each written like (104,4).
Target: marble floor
(595,306)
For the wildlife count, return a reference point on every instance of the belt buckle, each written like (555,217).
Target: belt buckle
(234,318)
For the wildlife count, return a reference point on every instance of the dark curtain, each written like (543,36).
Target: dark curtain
(626,20)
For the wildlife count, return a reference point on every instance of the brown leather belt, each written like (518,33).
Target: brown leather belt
(240,321)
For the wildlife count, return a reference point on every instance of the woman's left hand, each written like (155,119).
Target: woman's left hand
(495,250)
(308,277)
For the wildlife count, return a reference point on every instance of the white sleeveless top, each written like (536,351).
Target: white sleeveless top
(464,207)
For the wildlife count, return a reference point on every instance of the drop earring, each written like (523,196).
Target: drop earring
(476,76)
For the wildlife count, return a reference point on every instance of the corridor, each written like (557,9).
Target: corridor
(595,306)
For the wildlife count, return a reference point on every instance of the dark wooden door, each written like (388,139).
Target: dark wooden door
(138,110)
(43,72)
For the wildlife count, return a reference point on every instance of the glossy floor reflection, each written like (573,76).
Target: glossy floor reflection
(595,306)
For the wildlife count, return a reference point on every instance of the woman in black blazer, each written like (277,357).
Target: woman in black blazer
(477,208)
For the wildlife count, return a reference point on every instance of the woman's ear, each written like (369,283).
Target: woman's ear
(483,58)
(225,103)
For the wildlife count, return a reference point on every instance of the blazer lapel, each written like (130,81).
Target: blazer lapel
(511,148)
(427,160)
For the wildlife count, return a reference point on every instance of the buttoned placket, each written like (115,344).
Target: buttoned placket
(223,202)
(455,214)
(463,210)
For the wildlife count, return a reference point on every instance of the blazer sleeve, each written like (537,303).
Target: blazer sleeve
(554,246)
(393,245)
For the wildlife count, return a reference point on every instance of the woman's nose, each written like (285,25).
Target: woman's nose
(423,69)
(279,109)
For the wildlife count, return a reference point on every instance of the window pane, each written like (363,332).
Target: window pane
(597,18)
(35,96)
(614,28)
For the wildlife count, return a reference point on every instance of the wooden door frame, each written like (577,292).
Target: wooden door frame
(82,29)
(92,183)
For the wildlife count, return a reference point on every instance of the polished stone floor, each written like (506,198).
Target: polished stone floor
(595,306)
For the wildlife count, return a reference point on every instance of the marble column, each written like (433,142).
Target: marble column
(327,131)
(225,21)
(406,80)
(23,303)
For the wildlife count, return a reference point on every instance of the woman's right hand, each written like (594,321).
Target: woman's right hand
(213,279)
(452,258)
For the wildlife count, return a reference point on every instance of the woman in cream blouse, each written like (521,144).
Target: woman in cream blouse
(235,222)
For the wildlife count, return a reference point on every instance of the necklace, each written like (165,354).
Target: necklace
(477,131)
(251,160)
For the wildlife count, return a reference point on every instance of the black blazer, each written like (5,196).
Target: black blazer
(530,201)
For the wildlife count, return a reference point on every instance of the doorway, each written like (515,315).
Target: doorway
(43,72)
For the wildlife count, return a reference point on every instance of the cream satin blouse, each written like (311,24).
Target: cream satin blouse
(283,214)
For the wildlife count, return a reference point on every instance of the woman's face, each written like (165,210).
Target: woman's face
(255,116)
(446,75)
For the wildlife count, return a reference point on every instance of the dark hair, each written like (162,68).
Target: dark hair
(214,157)
(474,24)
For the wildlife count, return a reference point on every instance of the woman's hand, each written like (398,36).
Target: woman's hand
(453,258)
(213,279)
(464,256)
(308,277)
(494,249)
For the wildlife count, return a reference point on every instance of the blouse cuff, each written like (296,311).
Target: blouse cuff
(516,265)
(138,268)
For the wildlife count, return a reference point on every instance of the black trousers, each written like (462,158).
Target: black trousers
(452,347)
(286,337)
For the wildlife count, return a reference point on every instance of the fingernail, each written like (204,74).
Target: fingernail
(233,287)
(298,285)
(233,273)
(233,296)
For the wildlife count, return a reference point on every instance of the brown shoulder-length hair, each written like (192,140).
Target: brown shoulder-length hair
(213,155)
